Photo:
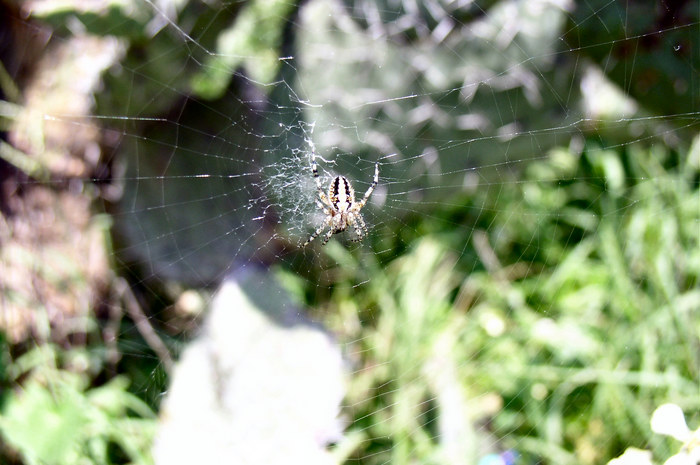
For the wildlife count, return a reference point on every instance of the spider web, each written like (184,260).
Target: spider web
(208,131)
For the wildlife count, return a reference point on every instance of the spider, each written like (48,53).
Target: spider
(339,205)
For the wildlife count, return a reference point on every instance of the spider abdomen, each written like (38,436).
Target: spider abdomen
(341,194)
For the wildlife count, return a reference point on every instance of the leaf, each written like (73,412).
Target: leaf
(45,425)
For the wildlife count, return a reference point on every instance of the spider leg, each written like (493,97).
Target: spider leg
(316,233)
(328,236)
(314,169)
(325,209)
(359,226)
(323,203)
(375,181)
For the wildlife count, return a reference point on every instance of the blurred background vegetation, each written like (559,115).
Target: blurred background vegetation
(538,251)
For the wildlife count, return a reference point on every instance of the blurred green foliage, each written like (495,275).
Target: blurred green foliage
(56,418)
(651,50)
(253,42)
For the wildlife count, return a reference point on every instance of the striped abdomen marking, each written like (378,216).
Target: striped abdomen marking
(341,194)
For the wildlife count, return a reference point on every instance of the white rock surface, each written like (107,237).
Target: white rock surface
(260,385)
